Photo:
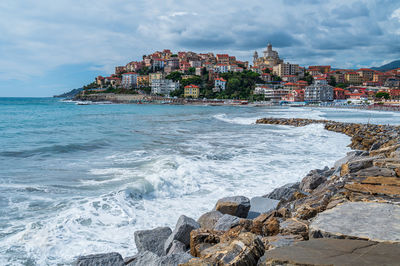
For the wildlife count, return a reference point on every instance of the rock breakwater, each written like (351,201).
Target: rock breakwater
(346,214)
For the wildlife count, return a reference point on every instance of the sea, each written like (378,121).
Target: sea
(81,179)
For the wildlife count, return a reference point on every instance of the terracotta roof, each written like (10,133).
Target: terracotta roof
(220,79)
(191,86)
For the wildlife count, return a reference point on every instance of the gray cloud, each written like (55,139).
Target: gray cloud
(38,36)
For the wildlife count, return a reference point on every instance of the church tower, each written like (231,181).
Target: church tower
(255,57)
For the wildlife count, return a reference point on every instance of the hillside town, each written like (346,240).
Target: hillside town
(191,75)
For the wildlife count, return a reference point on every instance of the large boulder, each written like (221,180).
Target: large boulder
(284,193)
(259,205)
(181,232)
(226,222)
(313,179)
(145,258)
(107,259)
(294,227)
(202,239)
(174,259)
(209,219)
(237,206)
(177,247)
(333,252)
(152,240)
(245,249)
(358,220)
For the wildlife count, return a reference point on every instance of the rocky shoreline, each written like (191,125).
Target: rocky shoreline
(348,214)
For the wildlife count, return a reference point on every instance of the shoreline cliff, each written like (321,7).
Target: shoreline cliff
(348,214)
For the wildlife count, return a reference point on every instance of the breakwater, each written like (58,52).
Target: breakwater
(345,213)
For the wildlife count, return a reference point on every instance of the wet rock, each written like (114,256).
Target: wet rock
(177,247)
(152,240)
(246,249)
(358,220)
(209,219)
(106,259)
(181,232)
(333,252)
(261,205)
(357,164)
(237,206)
(284,193)
(226,222)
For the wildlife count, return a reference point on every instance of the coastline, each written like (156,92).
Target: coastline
(147,99)
(271,229)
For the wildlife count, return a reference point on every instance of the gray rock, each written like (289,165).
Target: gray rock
(349,157)
(177,247)
(146,258)
(376,171)
(108,259)
(226,222)
(333,252)
(209,219)
(174,259)
(152,240)
(313,179)
(359,220)
(284,192)
(181,232)
(259,205)
(237,206)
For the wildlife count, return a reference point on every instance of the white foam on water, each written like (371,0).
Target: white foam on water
(236,120)
(166,185)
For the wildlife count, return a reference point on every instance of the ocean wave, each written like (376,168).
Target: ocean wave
(56,149)
(236,120)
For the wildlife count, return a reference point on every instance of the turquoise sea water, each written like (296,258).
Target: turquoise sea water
(80,179)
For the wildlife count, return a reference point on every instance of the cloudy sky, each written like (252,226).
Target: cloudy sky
(48,47)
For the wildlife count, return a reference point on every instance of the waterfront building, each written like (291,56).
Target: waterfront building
(219,84)
(129,80)
(273,93)
(192,91)
(270,58)
(143,81)
(339,94)
(318,92)
(285,69)
(100,81)
(163,86)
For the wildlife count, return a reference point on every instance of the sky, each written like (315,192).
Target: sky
(49,47)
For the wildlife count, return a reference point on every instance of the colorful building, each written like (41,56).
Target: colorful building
(192,91)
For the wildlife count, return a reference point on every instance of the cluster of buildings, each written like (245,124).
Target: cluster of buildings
(361,84)
(160,64)
(281,81)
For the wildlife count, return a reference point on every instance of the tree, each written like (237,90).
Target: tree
(308,78)
(175,76)
(191,70)
(382,94)
(233,84)
(332,81)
